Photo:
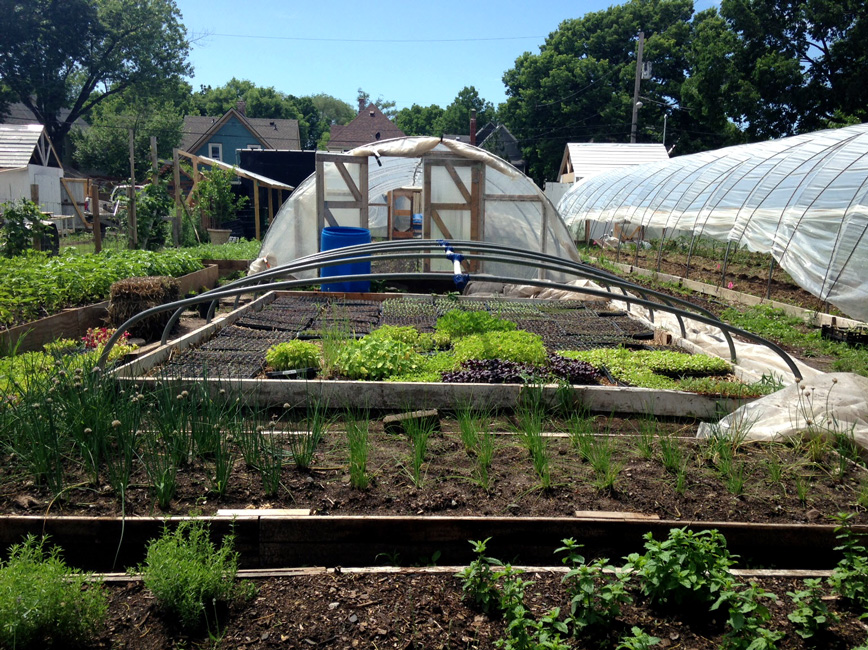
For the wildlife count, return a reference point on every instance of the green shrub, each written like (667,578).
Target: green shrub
(457,323)
(293,354)
(187,574)
(20,222)
(688,566)
(375,358)
(43,602)
(518,346)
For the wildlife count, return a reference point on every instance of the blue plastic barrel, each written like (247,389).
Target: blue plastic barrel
(340,237)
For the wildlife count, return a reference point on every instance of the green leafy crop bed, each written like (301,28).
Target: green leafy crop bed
(36,285)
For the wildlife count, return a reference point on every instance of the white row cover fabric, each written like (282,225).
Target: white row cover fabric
(398,163)
(804,199)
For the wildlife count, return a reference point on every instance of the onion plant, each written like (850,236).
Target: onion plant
(671,454)
(270,462)
(358,425)
(303,445)
(600,457)
(160,466)
(484,456)
(223,460)
(418,430)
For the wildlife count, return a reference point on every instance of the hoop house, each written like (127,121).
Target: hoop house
(461,192)
(804,199)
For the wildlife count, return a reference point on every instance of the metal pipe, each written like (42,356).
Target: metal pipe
(292,284)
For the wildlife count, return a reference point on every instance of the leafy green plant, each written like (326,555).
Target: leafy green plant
(214,196)
(153,204)
(688,566)
(290,355)
(188,575)
(375,358)
(20,223)
(638,640)
(850,577)
(596,592)
(43,602)
(518,346)
(811,615)
(478,583)
(746,617)
(457,323)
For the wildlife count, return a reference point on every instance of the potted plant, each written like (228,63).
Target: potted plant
(216,202)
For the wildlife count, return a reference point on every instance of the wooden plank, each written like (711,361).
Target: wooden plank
(320,198)
(97,228)
(144,363)
(263,512)
(270,206)
(513,197)
(363,191)
(475,213)
(72,200)
(442,226)
(450,168)
(196,280)
(461,207)
(614,516)
(327,213)
(257,225)
(348,180)
(176,178)
(343,205)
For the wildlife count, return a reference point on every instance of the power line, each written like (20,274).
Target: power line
(377,40)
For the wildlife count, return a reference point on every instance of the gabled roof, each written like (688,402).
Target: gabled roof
(18,114)
(271,133)
(22,145)
(368,126)
(586,159)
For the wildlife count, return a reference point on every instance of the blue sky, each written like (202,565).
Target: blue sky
(409,52)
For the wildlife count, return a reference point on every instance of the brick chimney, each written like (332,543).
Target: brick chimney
(361,105)
(473,126)
(241,106)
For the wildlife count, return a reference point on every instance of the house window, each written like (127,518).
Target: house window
(215,151)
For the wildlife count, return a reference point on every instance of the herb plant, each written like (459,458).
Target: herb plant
(375,358)
(688,566)
(43,602)
(188,575)
(811,615)
(458,323)
(478,584)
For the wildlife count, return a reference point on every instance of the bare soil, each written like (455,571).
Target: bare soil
(413,611)
(813,483)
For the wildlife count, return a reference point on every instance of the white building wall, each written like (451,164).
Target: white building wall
(15,185)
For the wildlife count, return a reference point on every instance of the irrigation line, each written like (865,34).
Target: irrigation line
(294,284)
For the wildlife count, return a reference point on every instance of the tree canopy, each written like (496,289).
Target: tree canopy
(77,54)
(454,119)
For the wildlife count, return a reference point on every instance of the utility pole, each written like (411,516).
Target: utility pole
(132,235)
(633,124)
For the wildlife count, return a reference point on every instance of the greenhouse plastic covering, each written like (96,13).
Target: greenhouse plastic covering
(804,199)
(399,163)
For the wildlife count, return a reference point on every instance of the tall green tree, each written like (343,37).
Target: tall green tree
(420,120)
(456,116)
(800,64)
(320,112)
(579,87)
(76,54)
(104,147)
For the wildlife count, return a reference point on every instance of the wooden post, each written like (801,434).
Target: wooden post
(256,210)
(154,163)
(133,234)
(34,193)
(270,205)
(176,177)
(94,209)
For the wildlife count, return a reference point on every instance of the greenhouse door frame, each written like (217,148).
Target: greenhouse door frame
(474,200)
(343,163)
